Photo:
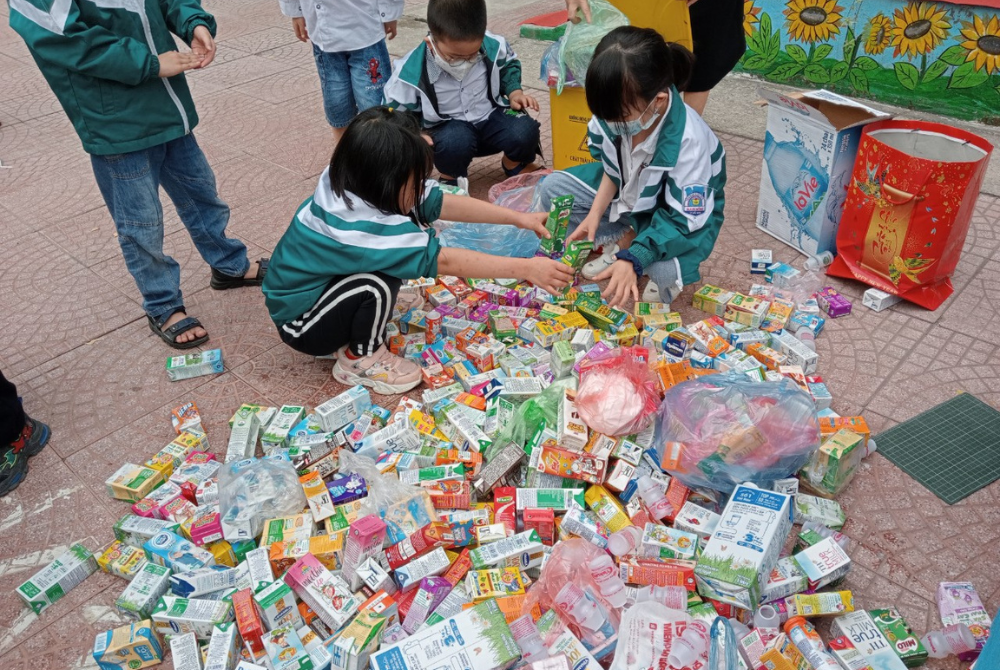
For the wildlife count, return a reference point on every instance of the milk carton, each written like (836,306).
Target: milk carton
(194,365)
(223,648)
(133,482)
(277,606)
(285,650)
(741,553)
(139,599)
(809,151)
(276,435)
(476,638)
(185,653)
(121,560)
(243,436)
(174,616)
(173,551)
(861,630)
(58,578)
(327,594)
(135,530)
(133,646)
(337,412)
(823,563)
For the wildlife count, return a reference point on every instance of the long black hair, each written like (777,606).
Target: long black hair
(630,66)
(380,154)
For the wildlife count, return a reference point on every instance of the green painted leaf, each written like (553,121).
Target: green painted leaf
(866,63)
(838,71)
(822,51)
(907,74)
(966,76)
(935,70)
(849,41)
(797,53)
(817,74)
(756,42)
(786,71)
(954,55)
(765,23)
(858,79)
(773,46)
(755,62)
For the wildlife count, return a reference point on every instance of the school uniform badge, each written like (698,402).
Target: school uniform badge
(695,199)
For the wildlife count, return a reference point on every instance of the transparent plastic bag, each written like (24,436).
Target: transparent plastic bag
(404,508)
(643,638)
(530,415)
(617,396)
(488,238)
(517,192)
(253,490)
(577,48)
(721,430)
(549,72)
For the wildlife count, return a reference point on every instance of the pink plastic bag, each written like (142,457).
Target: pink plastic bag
(617,396)
(516,193)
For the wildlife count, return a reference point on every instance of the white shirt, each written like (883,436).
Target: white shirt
(634,161)
(344,25)
(466,100)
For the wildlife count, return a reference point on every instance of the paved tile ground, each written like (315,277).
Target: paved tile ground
(75,341)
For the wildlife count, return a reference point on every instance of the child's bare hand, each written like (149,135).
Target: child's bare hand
(535,222)
(202,44)
(172,63)
(572,6)
(586,230)
(623,283)
(390,29)
(548,274)
(299,26)
(519,100)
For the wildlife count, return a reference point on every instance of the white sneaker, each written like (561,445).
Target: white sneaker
(651,293)
(598,265)
(383,372)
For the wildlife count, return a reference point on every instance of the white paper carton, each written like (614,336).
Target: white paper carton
(184,652)
(809,151)
(57,578)
(868,639)
(744,548)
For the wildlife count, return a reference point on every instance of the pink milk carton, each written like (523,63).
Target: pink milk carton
(152,505)
(958,602)
(364,540)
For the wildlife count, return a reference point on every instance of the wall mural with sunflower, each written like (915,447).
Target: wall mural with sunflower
(937,57)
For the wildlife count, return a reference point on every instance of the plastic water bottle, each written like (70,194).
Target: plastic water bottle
(605,574)
(585,612)
(768,622)
(528,639)
(952,640)
(674,597)
(825,532)
(625,541)
(654,497)
(797,178)
(690,646)
(807,338)
(818,262)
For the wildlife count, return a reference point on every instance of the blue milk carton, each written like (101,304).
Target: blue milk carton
(809,151)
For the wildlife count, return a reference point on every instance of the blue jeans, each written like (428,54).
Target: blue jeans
(352,81)
(456,142)
(130,186)
(665,273)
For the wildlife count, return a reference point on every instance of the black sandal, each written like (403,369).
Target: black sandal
(169,335)
(222,282)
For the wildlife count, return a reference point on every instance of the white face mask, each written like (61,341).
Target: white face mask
(458,69)
(635,126)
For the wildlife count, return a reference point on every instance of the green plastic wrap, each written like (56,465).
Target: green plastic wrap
(542,408)
(577,49)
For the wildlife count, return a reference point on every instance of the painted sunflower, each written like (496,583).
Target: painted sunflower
(982,40)
(813,20)
(750,17)
(919,28)
(879,34)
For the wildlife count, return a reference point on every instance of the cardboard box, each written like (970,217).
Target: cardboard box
(878,301)
(133,646)
(809,151)
(739,557)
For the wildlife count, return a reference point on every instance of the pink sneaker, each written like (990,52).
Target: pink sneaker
(383,371)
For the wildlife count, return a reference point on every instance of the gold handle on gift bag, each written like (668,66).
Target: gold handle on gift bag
(887,229)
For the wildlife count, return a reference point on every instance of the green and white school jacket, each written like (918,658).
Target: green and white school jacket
(679,210)
(330,237)
(410,86)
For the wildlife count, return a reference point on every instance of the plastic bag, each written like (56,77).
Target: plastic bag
(721,430)
(253,490)
(645,634)
(617,396)
(404,508)
(722,653)
(577,49)
(530,415)
(502,194)
(488,238)
(549,72)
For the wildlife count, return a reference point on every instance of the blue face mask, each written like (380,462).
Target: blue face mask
(635,126)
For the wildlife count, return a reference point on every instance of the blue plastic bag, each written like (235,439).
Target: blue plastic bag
(491,238)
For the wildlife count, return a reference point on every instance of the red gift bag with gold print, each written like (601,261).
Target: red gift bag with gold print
(908,208)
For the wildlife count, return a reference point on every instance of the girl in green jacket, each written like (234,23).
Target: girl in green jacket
(659,176)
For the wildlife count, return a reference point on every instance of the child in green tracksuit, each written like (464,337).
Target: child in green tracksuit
(660,174)
(335,275)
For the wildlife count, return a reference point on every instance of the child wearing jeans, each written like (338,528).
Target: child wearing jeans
(660,176)
(465,85)
(335,275)
(348,38)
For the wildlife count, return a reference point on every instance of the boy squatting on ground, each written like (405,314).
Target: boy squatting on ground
(465,85)
(348,43)
(335,275)
(660,174)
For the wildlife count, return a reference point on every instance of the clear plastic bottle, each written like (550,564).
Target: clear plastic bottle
(605,574)
(952,640)
(528,639)
(690,646)
(654,497)
(767,621)
(825,532)
(625,541)
(818,262)
(573,602)
(674,597)
(807,338)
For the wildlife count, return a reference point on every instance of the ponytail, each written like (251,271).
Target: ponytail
(682,62)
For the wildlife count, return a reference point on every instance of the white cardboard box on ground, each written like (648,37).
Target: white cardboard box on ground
(809,151)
